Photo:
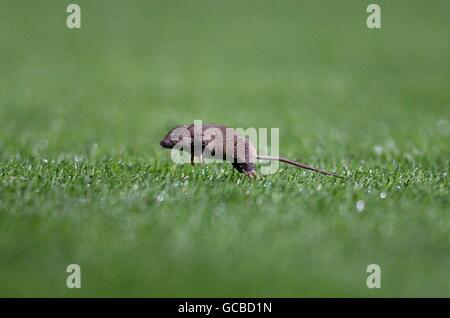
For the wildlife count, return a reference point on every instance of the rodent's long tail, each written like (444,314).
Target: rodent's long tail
(298,164)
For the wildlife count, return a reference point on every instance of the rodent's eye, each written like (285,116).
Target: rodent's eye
(180,138)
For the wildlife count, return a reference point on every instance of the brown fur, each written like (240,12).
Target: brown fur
(242,159)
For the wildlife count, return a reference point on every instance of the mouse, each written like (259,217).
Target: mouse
(203,142)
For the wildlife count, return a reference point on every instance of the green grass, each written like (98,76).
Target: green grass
(83,179)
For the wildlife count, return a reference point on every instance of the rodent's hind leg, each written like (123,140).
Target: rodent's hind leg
(246,168)
(251,174)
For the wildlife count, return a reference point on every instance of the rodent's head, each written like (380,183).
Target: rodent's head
(178,135)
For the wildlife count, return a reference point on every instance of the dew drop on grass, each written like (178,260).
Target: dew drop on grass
(219,210)
(443,126)
(160,197)
(276,196)
(378,149)
(360,205)
(383,195)
(319,187)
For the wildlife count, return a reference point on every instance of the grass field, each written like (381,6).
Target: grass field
(83,179)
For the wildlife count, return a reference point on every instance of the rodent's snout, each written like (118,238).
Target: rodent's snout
(166,143)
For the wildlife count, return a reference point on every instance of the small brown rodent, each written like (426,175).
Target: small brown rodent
(244,154)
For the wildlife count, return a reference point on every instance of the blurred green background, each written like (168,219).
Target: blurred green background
(83,179)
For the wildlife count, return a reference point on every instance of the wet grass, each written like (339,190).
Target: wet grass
(83,179)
